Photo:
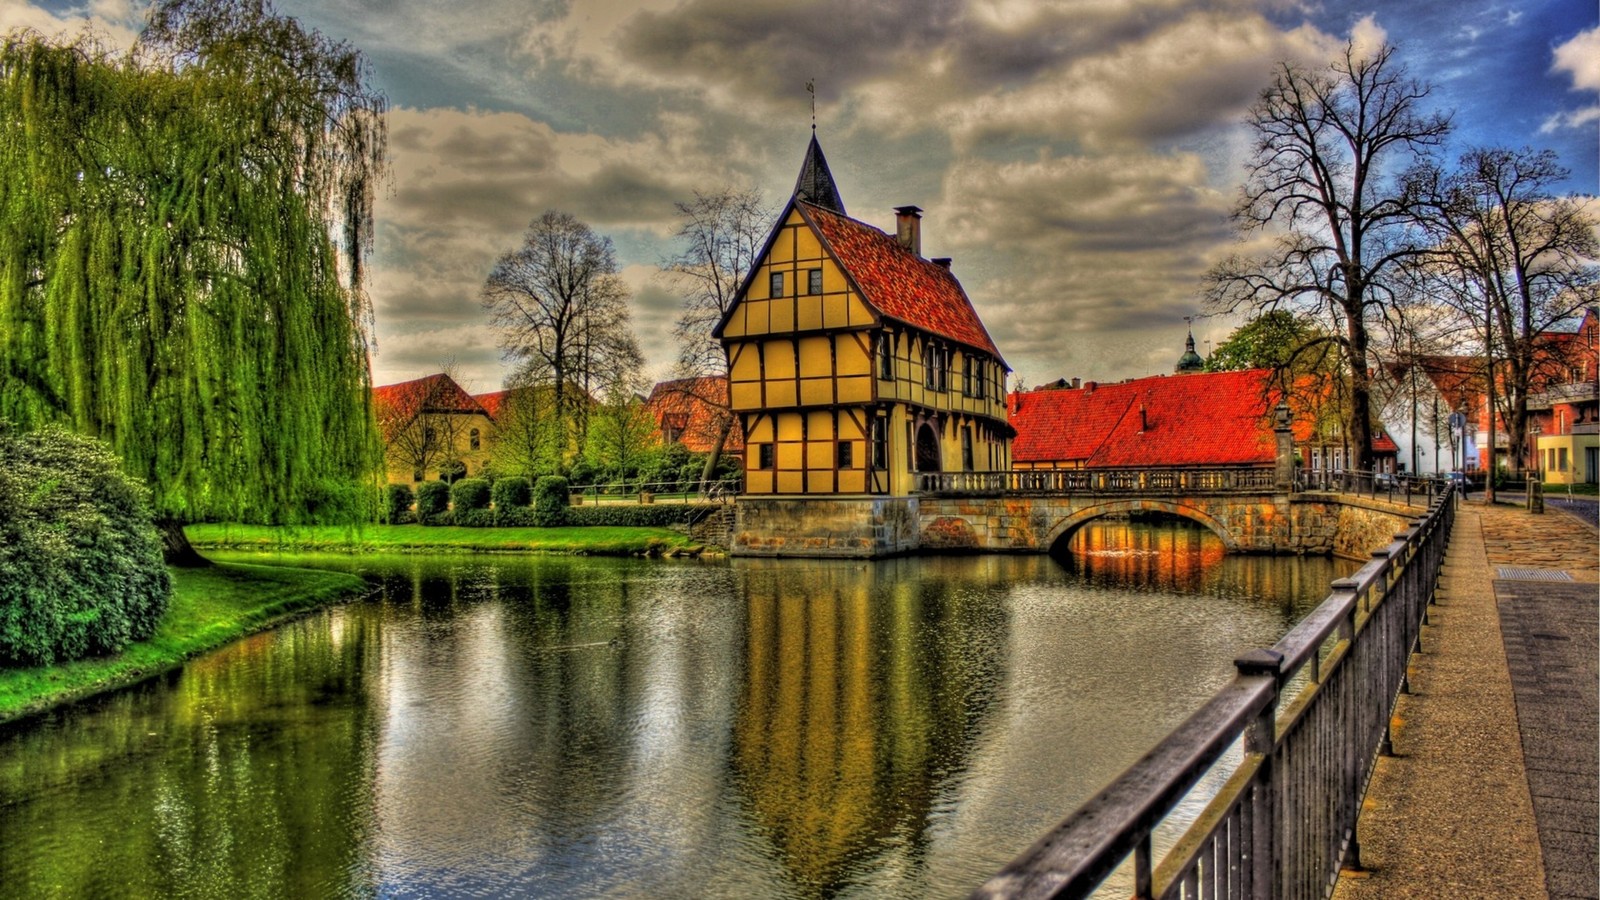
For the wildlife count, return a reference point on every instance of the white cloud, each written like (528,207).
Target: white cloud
(114,22)
(1579,58)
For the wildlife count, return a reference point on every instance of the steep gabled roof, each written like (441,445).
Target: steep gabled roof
(694,407)
(815,184)
(396,405)
(898,283)
(491,402)
(1194,420)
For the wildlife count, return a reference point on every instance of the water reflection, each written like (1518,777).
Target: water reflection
(583,727)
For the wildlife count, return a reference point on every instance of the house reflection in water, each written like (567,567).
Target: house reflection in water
(866,687)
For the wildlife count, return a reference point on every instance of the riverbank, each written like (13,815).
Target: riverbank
(210,607)
(583,541)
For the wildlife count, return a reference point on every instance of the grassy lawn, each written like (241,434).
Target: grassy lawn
(209,608)
(594,541)
(1552,489)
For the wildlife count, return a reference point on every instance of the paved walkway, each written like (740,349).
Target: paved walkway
(1493,791)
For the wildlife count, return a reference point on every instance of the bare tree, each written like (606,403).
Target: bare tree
(422,424)
(562,315)
(1326,142)
(1512,259)
(722,234)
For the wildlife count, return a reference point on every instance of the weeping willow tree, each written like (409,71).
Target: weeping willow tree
(182,235)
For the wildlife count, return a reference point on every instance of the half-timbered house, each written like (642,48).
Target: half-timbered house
(854,363)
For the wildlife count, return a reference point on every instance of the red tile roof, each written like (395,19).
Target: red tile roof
(899,283)
(1189,420)
(395,405)
(691,406)
(491,402)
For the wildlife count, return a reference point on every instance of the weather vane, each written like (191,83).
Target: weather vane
(811,88)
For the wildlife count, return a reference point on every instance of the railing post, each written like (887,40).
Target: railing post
(1261,738)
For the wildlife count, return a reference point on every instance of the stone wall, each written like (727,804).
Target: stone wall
(1366,525)
(825,527)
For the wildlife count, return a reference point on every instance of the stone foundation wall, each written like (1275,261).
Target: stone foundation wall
(1366,525)
(825,527)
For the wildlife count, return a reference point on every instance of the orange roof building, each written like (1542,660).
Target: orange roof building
(692,411)
(431,428)
(1203,419)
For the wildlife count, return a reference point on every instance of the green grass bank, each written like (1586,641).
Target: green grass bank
(210,607)
(582,540)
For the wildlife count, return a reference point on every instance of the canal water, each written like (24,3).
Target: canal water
(563,726)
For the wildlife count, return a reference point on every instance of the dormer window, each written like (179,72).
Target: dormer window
(775,287)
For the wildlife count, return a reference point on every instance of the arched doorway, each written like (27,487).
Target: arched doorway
(928,449)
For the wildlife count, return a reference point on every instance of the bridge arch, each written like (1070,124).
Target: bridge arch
(1078,518)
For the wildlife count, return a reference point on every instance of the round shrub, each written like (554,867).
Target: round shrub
(433,501)
(469,494)
(511,492)
(397,504)
(81,571)
(550,501)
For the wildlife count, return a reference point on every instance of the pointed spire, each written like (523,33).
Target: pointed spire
(815,184)
(1190,361)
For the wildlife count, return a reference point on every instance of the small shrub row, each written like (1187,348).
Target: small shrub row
(468,503)
(631,516)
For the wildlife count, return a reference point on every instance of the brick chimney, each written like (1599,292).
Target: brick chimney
(908,227)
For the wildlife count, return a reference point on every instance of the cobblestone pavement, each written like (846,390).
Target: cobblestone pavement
(1585,508)
(1493,789)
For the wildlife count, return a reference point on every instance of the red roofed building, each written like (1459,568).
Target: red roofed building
(854,362)
(693,412)
(431,427)
(1215,419)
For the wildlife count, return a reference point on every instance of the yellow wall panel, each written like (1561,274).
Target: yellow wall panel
(850,356)
(782,315)
(783,247)
(757,482)
(816,356)
(746,363)
(855,389)
(853,482)
(755,313)
(819,454)
(745,394)
(789,428)
(858,313)
(819,482)
(781,394)
(779,359)
(791,482)
(761,430)
(815,391)
(810,316)
(819,426)
(850,429)
(790,455)
(806,244)
(835,311)
(735,326)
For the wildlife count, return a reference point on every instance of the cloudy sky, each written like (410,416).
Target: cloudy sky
(1077,158)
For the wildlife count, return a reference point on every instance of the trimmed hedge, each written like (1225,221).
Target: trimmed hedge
(397,504)
(550,502)
(514,517)
(473,518)
(433,503)
(469,494)
(81,568)
(512,491)
(631,516)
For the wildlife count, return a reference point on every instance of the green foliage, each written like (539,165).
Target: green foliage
(512,492)
(81,569)
(182,263)
(469,494)
(397,504)
(550,501)
(656,516)
(514,517)
(433,503)
(474,518)
(1268,341)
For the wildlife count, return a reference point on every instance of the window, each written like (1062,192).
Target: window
(427,435)
(416,474)
(886,356)
(966,448)
(1561,459)
(763,456)
(845,455)
(880,443)
(973,378)
(935,368)
(473,441)
(776,285)
(813,281)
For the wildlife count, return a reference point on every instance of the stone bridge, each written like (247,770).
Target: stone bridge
(1249,509)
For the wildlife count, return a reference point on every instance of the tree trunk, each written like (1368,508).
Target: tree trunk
(715,455)
(176,548)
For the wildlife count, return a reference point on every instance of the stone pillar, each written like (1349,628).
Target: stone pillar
(1284,470)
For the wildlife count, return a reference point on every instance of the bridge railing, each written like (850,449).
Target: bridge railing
(1285,819)
(1216,479)
(1401,488)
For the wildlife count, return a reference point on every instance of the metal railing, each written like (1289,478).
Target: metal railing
(1401,488)
(1285,820)
(655,492)
(1209,480)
